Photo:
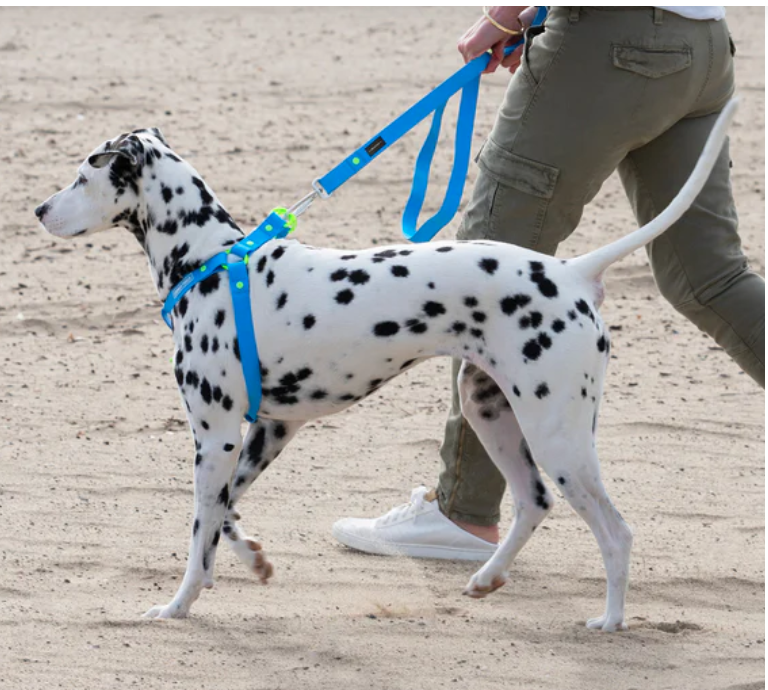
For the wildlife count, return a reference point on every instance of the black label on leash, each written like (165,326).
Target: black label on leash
(376,145)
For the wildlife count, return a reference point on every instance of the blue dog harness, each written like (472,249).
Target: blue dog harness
(282,221)
(235,261)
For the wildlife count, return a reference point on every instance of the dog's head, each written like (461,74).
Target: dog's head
(108,187)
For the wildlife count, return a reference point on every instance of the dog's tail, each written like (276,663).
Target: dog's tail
(593,265)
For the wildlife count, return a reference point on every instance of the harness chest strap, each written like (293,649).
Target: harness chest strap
(273,227)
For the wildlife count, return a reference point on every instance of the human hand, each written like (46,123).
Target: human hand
(483,36)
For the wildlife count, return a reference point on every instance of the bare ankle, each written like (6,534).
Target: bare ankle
(486,532)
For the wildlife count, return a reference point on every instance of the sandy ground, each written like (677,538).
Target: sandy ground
(95,459)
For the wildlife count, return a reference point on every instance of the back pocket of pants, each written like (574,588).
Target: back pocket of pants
(653,63)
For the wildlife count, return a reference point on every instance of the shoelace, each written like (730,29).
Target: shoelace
(415,504)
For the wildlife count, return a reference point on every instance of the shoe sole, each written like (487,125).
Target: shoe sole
(382,548)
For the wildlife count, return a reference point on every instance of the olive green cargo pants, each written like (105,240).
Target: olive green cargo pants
(636,89)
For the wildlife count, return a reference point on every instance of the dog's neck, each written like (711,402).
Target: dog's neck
(179,221)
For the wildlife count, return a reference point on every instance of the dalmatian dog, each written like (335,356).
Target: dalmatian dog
(334,326)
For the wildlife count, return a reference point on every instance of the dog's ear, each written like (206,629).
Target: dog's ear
(155,132)
(126,146)
(100,160)
(160,136)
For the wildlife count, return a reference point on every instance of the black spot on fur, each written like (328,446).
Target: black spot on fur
(278,253)
(433,309)
(169,227)
(532,350)
(542,391)
(470,302)
(206,392)
(345,296)
(416,326)
(516,391)
(261,264)
(338,275)
(602,344)
(192,379)
(219,319)
(210,284)
(359,277)
(385,329)
(205,195)
(281,301)
(509,305)
(309,321)
(558,325)
(489,265)
(399,271)
(224,494)
(442,250)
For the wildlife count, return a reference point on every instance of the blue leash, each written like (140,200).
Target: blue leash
(466,80)
(282,221)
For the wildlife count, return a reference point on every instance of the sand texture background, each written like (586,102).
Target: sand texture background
(96,460)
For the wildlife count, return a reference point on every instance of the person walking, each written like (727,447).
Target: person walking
(594,90)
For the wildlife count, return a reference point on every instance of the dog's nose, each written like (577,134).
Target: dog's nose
(41,210)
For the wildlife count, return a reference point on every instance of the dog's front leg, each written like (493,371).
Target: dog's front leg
(217,448)
(264,441)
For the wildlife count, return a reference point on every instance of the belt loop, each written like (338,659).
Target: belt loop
(573,17)
(658,16)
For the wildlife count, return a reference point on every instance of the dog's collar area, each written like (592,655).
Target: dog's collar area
(276,225)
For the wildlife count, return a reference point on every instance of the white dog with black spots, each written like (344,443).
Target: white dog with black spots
(334,326)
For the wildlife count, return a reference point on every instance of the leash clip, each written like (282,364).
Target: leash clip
(319,189)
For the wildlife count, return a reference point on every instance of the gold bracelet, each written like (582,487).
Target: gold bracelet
(499,26)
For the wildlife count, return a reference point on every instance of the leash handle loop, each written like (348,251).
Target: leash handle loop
(466,80)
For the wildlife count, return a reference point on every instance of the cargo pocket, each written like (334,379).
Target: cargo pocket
(653,63)
(520,190)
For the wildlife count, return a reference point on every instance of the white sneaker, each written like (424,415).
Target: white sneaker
(417,529)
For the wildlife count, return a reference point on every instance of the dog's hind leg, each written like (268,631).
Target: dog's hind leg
(488,411)
(561,438)
(264,441)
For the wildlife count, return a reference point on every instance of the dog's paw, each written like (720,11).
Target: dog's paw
(482,585)
(260,565)
(165,612)
(606,624)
